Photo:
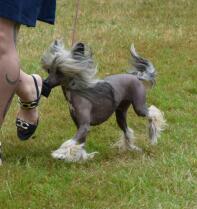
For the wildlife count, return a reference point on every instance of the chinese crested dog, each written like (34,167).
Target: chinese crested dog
(92,101)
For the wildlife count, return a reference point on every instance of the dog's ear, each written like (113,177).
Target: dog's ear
(78,49)
(56,46)
(55,43)
(58,42)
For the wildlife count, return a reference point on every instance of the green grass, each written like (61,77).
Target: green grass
(164,176)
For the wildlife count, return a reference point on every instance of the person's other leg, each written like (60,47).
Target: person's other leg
(9,65)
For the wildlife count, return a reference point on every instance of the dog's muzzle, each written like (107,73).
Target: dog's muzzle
(46,88)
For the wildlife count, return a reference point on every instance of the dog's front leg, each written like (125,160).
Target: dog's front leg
(81,134)
(73,149)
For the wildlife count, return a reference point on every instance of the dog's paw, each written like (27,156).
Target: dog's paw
(123,145)
(59,154)
(132,147)
(68,143)
(72,153)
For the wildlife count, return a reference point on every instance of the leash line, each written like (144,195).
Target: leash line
(75,22)
(1,160)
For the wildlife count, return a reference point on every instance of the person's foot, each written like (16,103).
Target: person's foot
(28,117)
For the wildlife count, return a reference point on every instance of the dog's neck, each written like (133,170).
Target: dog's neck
(67,86)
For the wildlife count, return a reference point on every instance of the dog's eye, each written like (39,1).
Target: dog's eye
(59,73)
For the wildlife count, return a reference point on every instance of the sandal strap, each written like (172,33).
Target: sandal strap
(28,105)
(32,104)
(22,124)
(36,85)
(24,129)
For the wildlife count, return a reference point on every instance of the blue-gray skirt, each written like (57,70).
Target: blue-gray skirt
(27,12)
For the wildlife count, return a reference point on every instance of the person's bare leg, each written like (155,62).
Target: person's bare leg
(9,66)
(27,92)
(12,79)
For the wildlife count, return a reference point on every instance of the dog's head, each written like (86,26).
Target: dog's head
(56,61)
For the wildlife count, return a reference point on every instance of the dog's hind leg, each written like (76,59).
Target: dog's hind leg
(126,142)
(155,117)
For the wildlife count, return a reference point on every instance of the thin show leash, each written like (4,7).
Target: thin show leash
(75,22)
(1,160)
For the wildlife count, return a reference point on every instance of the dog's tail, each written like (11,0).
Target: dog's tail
(142,68)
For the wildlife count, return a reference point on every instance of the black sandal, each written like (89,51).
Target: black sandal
(24,129)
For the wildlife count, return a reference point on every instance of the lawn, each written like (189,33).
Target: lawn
(163,176)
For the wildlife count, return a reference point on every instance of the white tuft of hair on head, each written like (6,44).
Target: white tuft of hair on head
(50,54)
(80,67)
(157,123)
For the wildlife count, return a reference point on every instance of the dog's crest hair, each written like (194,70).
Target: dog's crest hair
(76,63)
